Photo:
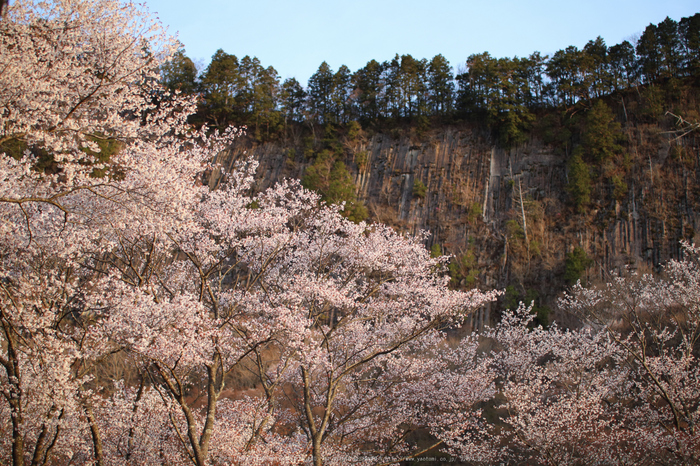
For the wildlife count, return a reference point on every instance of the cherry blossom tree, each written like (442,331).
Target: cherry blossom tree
(74,73)
(655,323)
(621,390)
(559,394)
(112,246)
(370,300)
(342,307)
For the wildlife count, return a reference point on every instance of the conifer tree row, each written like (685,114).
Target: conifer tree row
(504,92)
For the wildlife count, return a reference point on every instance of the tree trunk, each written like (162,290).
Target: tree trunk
(17,437)
(215,384)
(96,438)
(14,398)
(44,444)
(316,434)
(316,444)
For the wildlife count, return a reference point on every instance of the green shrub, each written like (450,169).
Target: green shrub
(354,129)
(602,133)
(419,189)
(330,178)
(575,265)
(474,212)
(619,187)
(361,159)
(514,230)
(463,270)
(579,187)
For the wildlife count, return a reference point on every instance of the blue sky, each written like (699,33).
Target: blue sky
(296,36)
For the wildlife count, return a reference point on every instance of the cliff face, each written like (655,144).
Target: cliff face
(455,166)
(509,209)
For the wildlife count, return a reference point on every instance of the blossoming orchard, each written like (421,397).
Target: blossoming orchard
(146,319)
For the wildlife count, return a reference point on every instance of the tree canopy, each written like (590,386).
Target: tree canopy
(503,92)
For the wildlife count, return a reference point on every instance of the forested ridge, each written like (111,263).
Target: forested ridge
(167,298)
(505,93)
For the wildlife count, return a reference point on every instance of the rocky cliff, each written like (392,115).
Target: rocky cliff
(508,211)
